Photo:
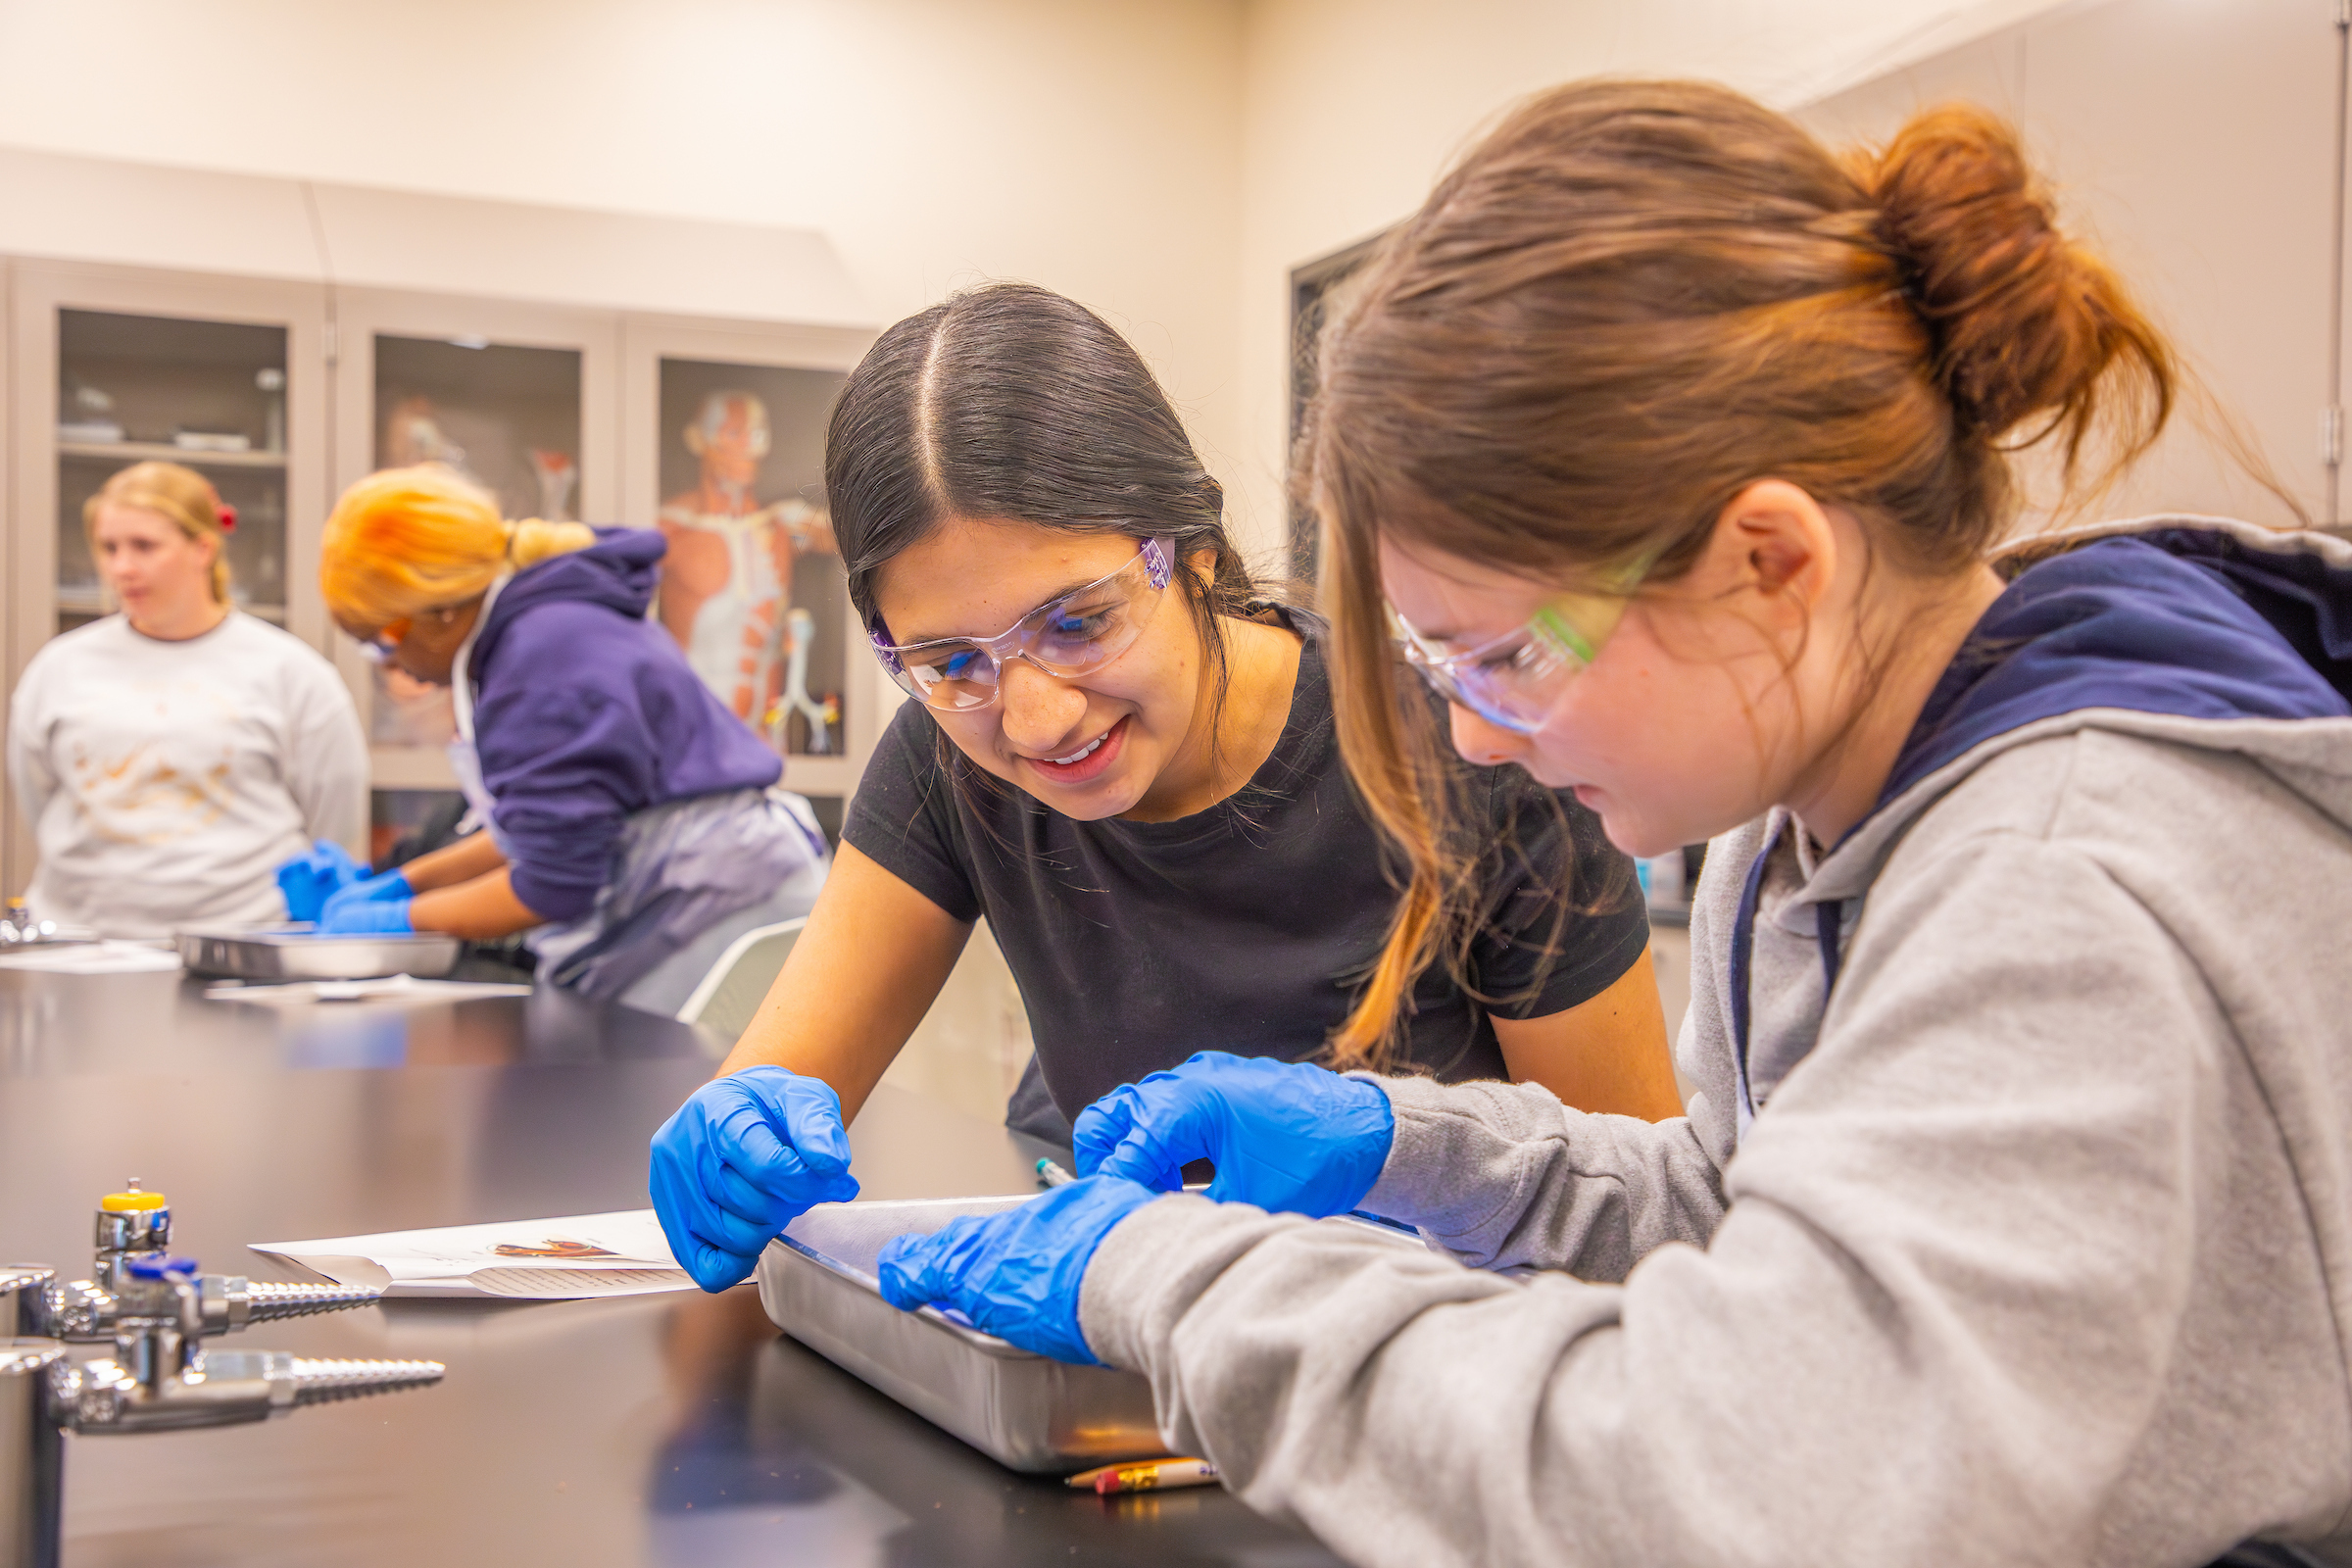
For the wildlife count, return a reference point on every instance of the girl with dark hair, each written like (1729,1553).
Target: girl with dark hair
(1122,752)
(2011,1220)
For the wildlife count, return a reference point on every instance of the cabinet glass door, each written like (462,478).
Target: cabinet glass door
(507,417)
(753,587)
(210,396)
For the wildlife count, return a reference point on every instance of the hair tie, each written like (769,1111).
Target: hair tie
(222,511)
(508,554)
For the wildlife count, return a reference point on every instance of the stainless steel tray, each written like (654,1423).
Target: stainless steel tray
(1025,1411)
(300,954)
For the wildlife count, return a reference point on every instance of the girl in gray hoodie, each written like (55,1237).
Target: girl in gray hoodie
(2010,1219)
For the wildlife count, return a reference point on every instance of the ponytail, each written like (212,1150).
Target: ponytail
(531,541)
(410,539)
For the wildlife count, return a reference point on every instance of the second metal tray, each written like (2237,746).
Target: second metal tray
(1025,1411)
(297,955)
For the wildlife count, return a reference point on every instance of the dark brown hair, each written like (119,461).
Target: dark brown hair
(1631,301)
(1010,401)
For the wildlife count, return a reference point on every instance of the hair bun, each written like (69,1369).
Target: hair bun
(2023,320)
(535,539)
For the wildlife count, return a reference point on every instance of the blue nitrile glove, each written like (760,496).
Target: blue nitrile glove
(310,878)
(1285,1136)
(1015,1274)
(368,917)
(746,1155)
(385,888)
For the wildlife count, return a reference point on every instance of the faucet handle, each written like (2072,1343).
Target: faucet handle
(129,1222)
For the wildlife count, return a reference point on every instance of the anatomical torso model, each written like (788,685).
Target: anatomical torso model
(726,584)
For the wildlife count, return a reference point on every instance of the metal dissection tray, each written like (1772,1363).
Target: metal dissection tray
(1025,1411)
(294,954)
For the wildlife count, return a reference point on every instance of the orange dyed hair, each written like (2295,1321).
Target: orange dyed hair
(407,540)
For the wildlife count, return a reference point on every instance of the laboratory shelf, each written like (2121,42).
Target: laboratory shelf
(166,452)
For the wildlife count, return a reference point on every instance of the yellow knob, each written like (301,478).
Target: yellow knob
(129,1203)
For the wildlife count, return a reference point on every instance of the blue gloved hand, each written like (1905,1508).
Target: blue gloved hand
(310,878)
(347,917)
(746,1155)
(381,888)
(1285,1136)
(1015,1274)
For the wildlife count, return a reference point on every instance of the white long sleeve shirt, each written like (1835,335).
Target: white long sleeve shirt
(167,781)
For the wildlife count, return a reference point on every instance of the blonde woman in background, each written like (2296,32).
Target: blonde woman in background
(627,821)
(170,755)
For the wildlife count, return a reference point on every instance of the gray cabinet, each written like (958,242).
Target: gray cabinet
(559,358)
(110,366)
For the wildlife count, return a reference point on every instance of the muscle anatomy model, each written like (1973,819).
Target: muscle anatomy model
(726,585)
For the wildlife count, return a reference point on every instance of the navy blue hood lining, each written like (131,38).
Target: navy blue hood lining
(618,571)
(2190,622)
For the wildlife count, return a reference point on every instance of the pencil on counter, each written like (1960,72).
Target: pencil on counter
(1149,1475)
(1052,1173)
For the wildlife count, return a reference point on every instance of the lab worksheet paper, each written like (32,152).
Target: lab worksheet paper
(561,1259)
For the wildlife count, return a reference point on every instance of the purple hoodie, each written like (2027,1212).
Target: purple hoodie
(586,713)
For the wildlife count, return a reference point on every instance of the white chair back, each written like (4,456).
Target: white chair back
(729,997)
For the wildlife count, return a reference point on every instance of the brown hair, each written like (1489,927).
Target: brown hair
(1631,301)
(183,496)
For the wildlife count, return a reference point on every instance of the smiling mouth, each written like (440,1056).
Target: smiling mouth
(1082,764)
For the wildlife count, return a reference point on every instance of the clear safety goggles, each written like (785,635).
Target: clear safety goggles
(382,645)
(380,648)
(1075,635)
(1514,681)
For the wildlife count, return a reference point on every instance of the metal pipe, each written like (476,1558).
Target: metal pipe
(2331,417)
(32,1450)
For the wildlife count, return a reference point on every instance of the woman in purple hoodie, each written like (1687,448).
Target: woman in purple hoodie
(628,822)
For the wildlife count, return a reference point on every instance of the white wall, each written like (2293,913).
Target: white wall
(1166,160)
(1093,146)
(2192,142)
(1353,108)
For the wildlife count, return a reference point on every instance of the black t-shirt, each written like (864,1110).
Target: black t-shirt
(1247,927)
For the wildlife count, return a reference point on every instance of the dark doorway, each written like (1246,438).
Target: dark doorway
(1312,285)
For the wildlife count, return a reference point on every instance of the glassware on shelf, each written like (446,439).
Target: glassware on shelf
(271,381)
(86,415)
(753,587)
(198,393)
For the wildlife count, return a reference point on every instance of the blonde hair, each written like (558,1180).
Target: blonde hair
(182,495)
(1632,301)
(413,539)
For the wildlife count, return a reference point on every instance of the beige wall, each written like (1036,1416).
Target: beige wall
(1353,107)
(1167,161)
(1093,146)
(2194,144)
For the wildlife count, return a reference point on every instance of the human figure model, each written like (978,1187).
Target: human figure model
(727,584)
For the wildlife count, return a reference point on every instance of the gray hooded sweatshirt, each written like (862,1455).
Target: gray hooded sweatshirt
(2031,1246)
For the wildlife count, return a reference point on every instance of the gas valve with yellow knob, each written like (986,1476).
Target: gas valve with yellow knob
(157,1310)
(134,1224)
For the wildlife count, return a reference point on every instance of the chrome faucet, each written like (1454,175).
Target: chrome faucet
(157,1310)
(133,1224)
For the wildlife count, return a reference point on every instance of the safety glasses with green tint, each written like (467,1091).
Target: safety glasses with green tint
(1514,681)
